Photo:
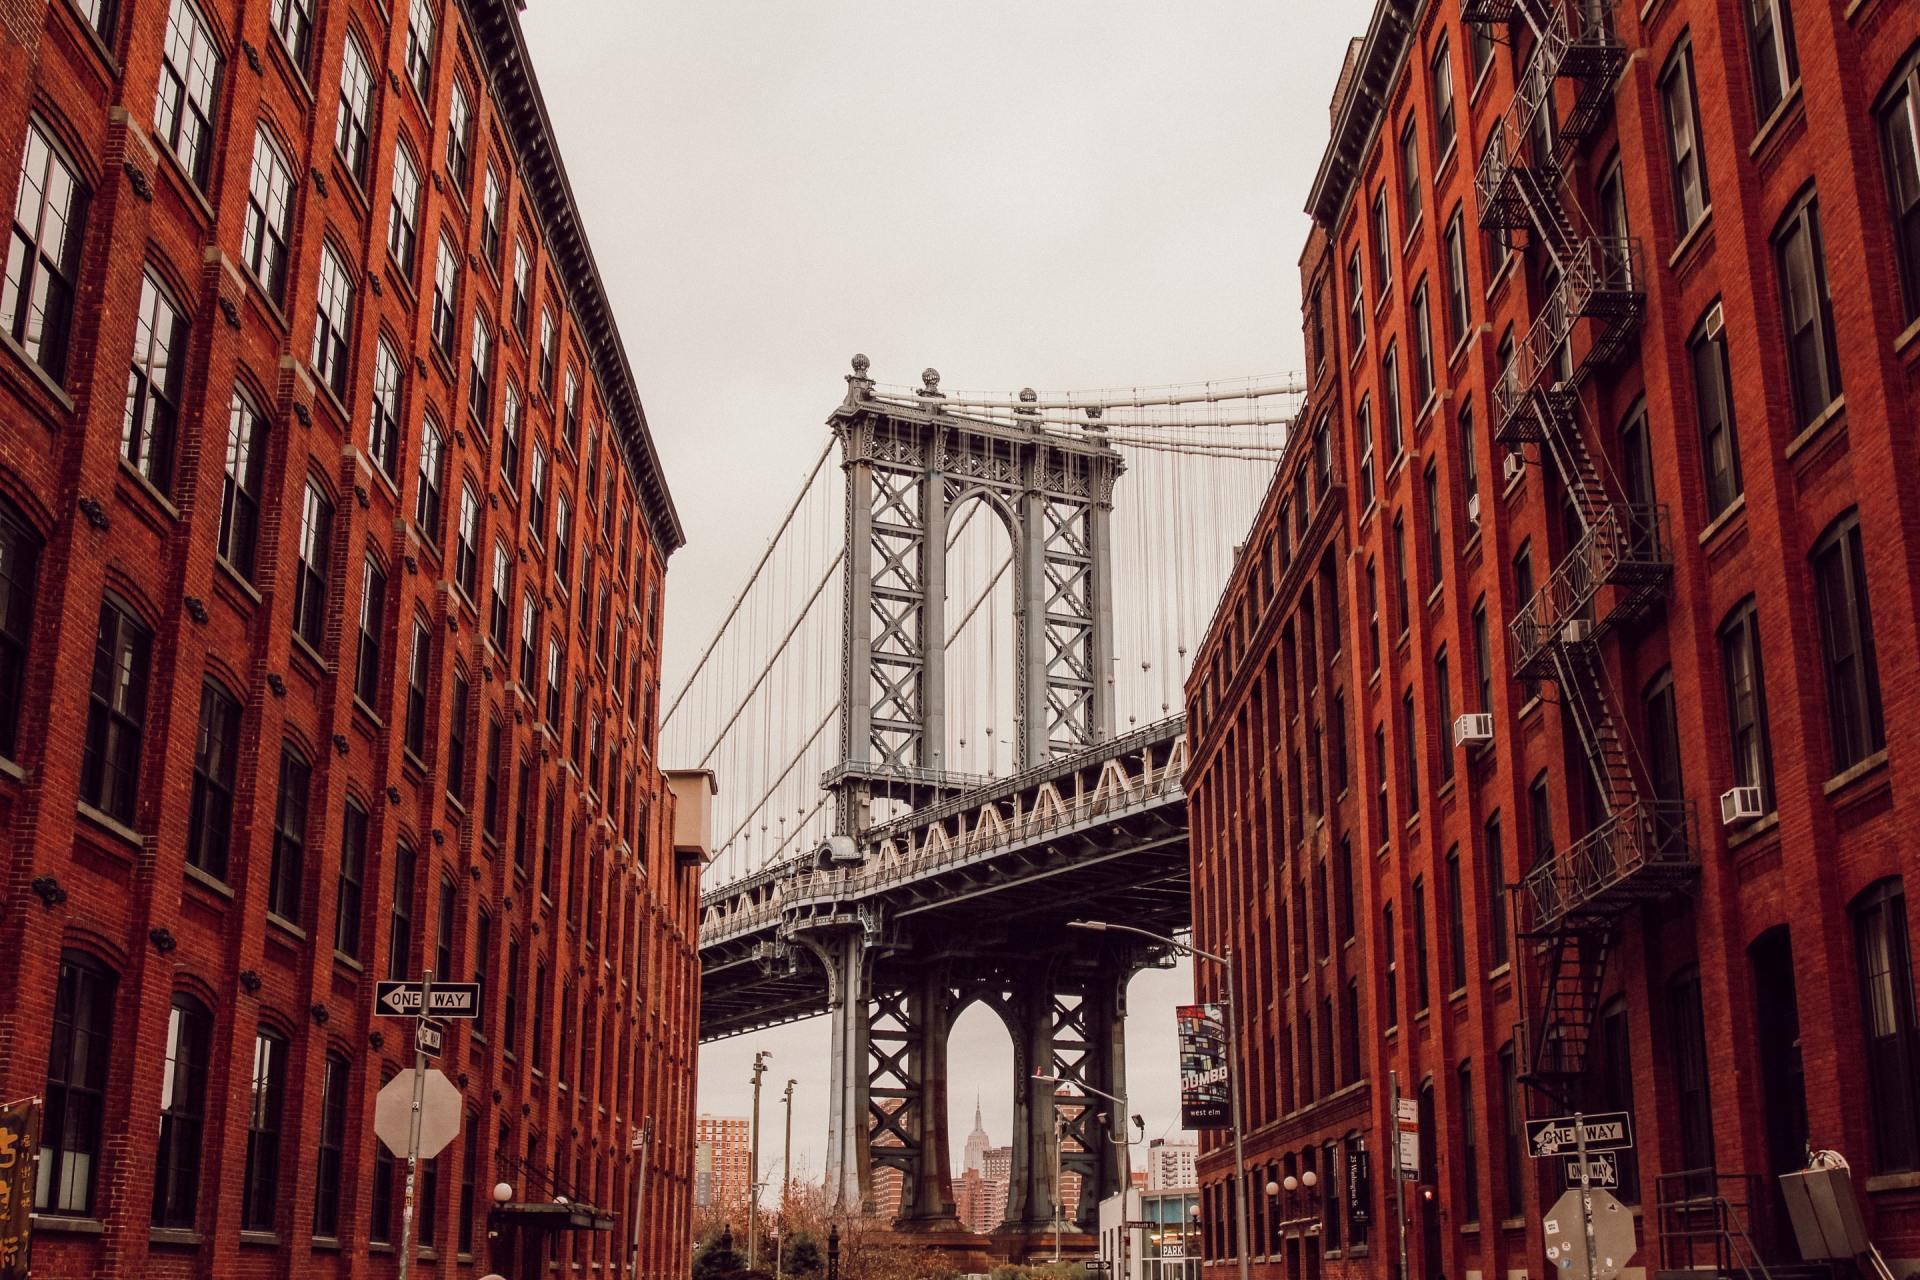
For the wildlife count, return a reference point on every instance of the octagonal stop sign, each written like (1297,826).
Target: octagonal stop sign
(439,1113)
(1565,1234)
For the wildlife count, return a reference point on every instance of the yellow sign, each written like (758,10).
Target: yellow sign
(19,1155)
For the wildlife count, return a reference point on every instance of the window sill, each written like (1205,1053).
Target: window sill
(1847,777)
(40,375)
(286,926)
(260,1239)
(110,824)
(1815,429)
(1530,706)
(8,769)
(182,1237)
(149,488)
(1772,124)
(326,1244)
(238,579)
(1754,830)
(207,880)
(1907,1181)
(1688,242)
(56,1223)
(1719,523)
(302,648)
(342,958)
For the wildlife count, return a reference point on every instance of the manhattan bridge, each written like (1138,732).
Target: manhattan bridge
(1008,589)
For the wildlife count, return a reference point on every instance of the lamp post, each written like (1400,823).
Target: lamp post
(1126,1158)
(1225,961)
(753,1159)
(786,1184)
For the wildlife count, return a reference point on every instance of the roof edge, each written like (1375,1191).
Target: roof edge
(1361,107)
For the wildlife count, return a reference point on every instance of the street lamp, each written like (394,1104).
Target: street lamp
(1225,961)
(1126,1152)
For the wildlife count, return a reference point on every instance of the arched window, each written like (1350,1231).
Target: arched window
(19,569)
(183,1114)
(76,1086)
(216,751)
(331,1156)
(289,836)
(1893,1038)
(266,1108)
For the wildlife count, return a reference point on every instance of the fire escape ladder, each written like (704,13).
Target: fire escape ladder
(1584,700)
(1570,965)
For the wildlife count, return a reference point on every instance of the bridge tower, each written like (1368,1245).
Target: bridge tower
(909,462)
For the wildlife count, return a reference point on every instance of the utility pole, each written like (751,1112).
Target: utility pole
(753,1165)
(786,1182)
(1399,1176)
(413,1131)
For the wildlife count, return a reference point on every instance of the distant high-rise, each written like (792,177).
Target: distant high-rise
(1170,1164)
(723,1150)
(976,1143)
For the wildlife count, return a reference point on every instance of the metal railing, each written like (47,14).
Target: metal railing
(1598,276)
(1626,545)
(1637,852)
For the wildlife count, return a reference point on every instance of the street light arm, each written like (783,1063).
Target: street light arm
(1104,926)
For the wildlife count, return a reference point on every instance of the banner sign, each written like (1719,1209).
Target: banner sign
(1359,1187)
(19,1156)
(1203,1067)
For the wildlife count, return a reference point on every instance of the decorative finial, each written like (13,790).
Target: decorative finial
(1028,397)
(929,382)
(859,385)
(861,364)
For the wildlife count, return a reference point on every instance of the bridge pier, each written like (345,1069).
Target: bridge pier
(843,954)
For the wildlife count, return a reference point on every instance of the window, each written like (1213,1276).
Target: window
(76,1086)
(1422,347)
(1373,618)
(510,438)
(265,1112)
(331,1155)
(356,106)
(553,682)
(269,224)
(240,485)
(1390,403)
(529,639)
(1410,734)
(418,667)
(1456,261)
(547,343)
(469,1175)
(1806,312)
(1419,952)
(349,897)
(1687,1053)
(1443,129)
(483,954)
(380,1220)
(512,1015)
(1846,643)
(1469,454)
(1775,64)
(1899,120)
(466,551)
(444,929)
(1513,1132)
(562,541)
(333,317)
(310,576)
(1403,612)
(383,423)
(216,748)
(570,411)
(1443,695)
(1409,175)
(493,217)
(49,222)
(500,611)
(1893,1038)
(1382,246)
(154,386)
(522,288)
(1436,560)
(420,47)
(1457,922)
(1747,702)
(183,1114)
(116,713)
(1482,656)
(1391,942)
(1495,859)
(459,137)
(292,21)
(1540,814)
(537,1049)
(289,836)
(400,918)
(183,105)
(455,772)
(403,219)
(493,795)
(373,593)
(19,566)
(480,372)
(1713,397)
(426,498)
(1480,42)
(1356,302)
(537,493)
(1682,111)
(1364,417)
(446,292)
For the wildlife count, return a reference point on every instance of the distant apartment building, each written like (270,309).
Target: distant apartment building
(1170,1165)
(723,1158)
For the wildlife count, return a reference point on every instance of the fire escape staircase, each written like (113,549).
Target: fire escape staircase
(1619,566)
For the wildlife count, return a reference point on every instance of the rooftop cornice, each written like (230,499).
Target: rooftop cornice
(1388,37)
(502,49)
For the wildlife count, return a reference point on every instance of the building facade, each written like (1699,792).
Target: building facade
(1170,1165)
(1598,733)
(726,1147)
(331,548)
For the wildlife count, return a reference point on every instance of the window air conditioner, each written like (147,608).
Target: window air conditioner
(1514,466)
(1575,631)
(1473,508)
(1473,729)
(1739,806)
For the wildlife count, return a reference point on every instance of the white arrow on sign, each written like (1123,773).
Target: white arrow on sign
(440,1113)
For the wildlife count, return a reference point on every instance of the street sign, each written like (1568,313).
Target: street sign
(1095,1264)
(1603,1169)
(439,1113)
(427,1038)
(1408,1124)
(1566,1239)
(1605,1131)
(450,999)
(1172,1249)
(1140,1224)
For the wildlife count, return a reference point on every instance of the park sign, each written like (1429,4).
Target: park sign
(1203,1067)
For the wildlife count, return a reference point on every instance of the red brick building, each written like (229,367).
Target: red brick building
(331,547)
(1562,765)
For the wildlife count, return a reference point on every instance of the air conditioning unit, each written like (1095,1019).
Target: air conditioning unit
(1716,321)
(1473,729)
(1514,467)
(1739,806)
(1473,508)
(1575,631)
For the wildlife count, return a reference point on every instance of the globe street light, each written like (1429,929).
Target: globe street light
(1225,961)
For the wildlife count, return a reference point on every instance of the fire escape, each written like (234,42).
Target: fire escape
(1619,565)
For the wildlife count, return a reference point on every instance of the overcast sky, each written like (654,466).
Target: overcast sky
(1056,193)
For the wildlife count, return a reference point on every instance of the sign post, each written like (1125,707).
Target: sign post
(413,1128)
(642,1139)
(1586,1187)
(1400,1106)
(1584,1142)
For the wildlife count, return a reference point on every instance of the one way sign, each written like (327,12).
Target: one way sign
(450,999)
(1605,1131)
